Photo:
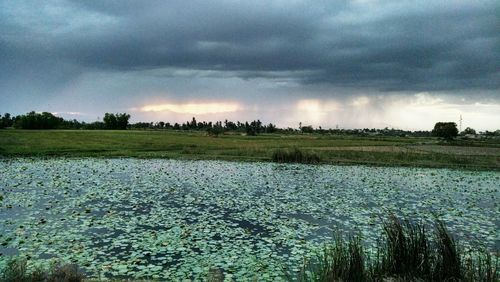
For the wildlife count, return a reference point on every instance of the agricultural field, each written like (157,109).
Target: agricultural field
(380,151)
(173,219)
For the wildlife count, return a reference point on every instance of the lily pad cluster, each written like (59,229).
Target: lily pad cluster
(174,220)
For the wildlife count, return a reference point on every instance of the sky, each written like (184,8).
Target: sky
(347,64)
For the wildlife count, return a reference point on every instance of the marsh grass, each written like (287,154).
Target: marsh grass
(447,260)
(406,252)
(16,270)
(342,260)
(481,266)
(295,155)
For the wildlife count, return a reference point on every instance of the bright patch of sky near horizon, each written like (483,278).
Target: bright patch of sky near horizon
(417,112)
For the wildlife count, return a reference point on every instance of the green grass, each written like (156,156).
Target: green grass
(197,145)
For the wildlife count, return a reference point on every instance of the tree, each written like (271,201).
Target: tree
(446,130)
(193,123)
(33,120)
(109,121)
(116,121)
(469,130)
(307,129)
(122,121)
(271,128)
(6,121)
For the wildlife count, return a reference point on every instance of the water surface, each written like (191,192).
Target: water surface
(173,219)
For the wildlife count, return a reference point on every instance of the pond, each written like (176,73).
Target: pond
(171,219)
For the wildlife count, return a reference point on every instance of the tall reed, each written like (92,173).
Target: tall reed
(406,252)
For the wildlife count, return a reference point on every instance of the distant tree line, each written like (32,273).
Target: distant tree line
(46,120)
(120,121)
(212,128)
(257,127)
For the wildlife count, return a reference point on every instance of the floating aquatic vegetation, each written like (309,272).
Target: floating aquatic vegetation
(170,219)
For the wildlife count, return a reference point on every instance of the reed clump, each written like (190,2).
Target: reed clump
(406,252)
(295,155)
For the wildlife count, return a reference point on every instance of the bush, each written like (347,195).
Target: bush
(295,156)
(468,130)
(215,131)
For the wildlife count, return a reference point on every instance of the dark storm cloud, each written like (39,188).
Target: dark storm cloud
(381,45)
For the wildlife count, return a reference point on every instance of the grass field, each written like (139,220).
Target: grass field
(397,151)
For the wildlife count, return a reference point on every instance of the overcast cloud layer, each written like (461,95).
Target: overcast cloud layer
(264,57)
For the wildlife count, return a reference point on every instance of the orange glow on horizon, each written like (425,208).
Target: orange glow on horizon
(193,108)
